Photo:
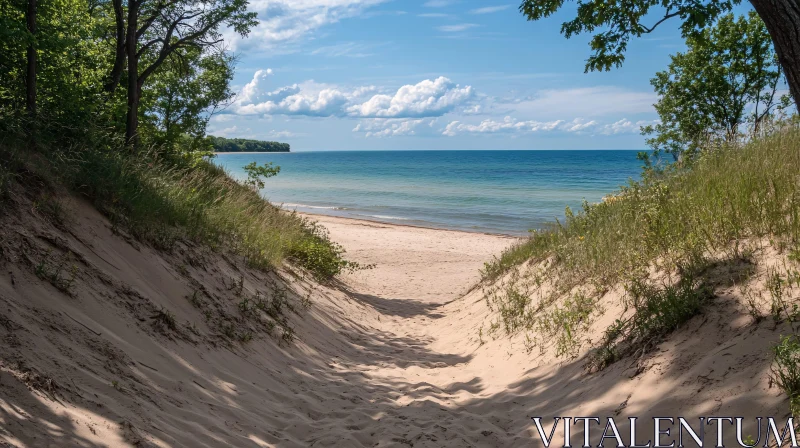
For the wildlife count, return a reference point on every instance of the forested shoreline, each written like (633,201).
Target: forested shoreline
(222,144)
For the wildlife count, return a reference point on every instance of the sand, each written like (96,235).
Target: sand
(390,356)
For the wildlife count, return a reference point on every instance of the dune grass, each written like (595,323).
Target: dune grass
(726,196)
(162,201)
(677,220)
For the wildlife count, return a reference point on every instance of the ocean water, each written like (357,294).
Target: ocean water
(506,192)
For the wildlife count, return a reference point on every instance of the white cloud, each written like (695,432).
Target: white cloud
(345,49)
(425,99)
(584,102)
(511,125)
(491,126)
(281,21)
(428,98)
(456,28)
(392,127)
(433,15)
(626,126)
(225,132)
(489,9)
(438,3)
(309,98)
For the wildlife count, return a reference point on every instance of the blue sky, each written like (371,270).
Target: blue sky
(433,74)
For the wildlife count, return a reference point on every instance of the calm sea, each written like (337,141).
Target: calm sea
(505,192)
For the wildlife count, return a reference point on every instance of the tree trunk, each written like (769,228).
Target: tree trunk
(782,18)
(134,89)
(120,52)
(30,76)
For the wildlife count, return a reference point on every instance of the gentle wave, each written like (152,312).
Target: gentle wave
(396,218)
(320,207)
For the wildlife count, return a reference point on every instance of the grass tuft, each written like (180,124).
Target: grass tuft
(657,311)
(786,370)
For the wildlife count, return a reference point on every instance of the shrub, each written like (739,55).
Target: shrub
(786,370)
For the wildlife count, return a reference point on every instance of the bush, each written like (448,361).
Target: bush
(786,370)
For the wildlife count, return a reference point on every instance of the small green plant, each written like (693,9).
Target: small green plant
(565,323)
(785,372)
(165,318)
(257,174)
(115,384)
(54,274)
(657,311)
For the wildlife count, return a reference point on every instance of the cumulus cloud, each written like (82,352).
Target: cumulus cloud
(424,99)
(428,98)
(281,21)
(392,127)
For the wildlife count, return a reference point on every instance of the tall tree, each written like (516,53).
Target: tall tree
(30,76)
(156,29)
(727,78)
(615,23)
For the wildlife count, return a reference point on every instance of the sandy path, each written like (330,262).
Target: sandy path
(390,358)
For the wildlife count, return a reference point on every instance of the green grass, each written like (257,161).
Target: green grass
(161,203)
(657,311)
(728,195)
(786,370)
(670,222)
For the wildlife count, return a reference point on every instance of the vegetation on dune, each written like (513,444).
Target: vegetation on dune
(732,186)
(725,196)
(222,144)
(112,100)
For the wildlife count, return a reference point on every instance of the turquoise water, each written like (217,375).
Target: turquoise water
(505,192)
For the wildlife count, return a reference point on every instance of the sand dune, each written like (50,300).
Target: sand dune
(389,357)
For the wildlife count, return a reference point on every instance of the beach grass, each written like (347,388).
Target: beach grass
(161,202)
(729,195)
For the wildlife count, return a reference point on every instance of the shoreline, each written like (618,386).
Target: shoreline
(363,221)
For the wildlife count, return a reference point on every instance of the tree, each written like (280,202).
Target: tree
(615,23)
(257,174)
(30,76)
(190,87)
(727,78)
(157,29)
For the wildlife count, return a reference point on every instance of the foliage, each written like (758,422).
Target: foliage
(657,311)
(620,21)
(256,174)
(222,144)
(191,86)
(786,370)
(160,202)
(727,78)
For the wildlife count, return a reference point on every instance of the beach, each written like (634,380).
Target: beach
(401,354)
(413,263)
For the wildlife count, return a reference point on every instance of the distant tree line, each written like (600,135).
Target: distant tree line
(222,144)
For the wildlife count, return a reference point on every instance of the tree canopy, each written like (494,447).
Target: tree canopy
(222,144)
(614,24)
(723,87)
